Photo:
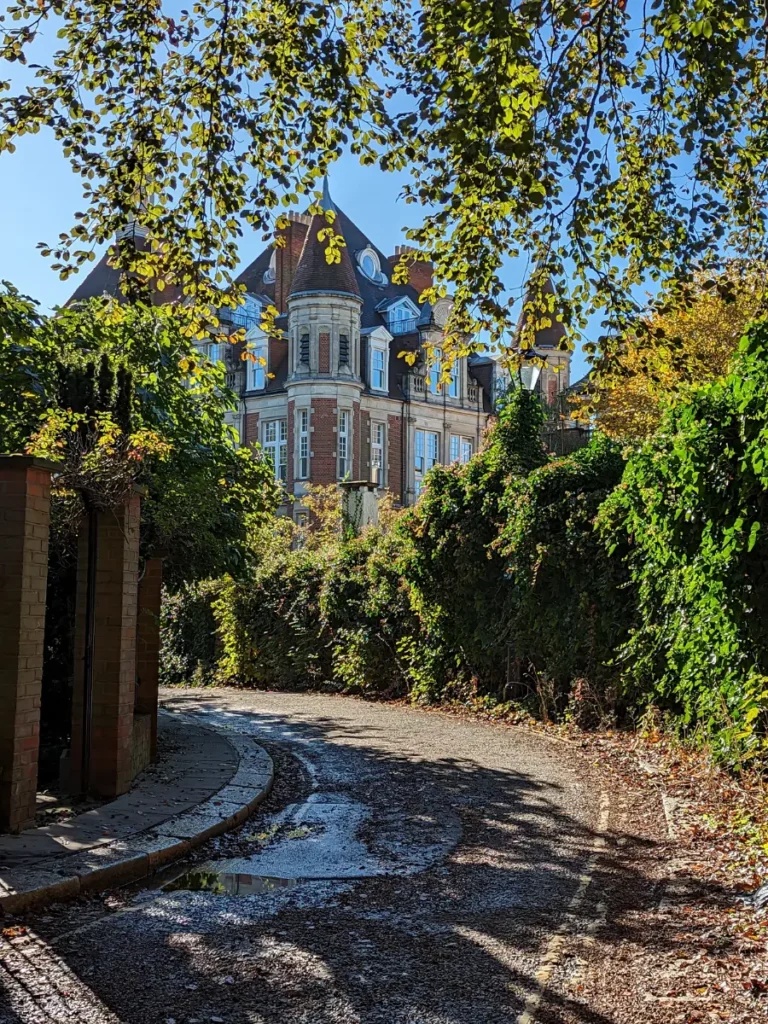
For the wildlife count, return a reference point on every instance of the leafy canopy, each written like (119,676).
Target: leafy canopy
(682,346)
(607,142)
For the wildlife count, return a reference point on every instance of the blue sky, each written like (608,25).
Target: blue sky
(39,195)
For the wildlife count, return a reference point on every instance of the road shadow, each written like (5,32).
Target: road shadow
(457,944)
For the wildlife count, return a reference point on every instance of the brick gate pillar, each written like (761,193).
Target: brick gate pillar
(115,607)
(148,648)
(25,486)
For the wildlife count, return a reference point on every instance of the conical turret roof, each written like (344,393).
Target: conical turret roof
(313,272)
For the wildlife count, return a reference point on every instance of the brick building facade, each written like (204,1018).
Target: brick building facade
(338,400)
(332,398)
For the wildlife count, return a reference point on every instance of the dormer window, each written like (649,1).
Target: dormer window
(246,315)
(370,265)
(257,376)
(402,318)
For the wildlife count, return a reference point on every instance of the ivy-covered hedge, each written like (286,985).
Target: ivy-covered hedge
(188,634)
(568,605)
(611,585)
(428,607)
(691,521)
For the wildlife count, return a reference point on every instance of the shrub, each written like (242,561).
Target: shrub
(188,642)
(271,631)
(454,573)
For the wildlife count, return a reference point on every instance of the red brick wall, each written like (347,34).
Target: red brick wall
(420,275)
(324,360)
(323,443)
(286,259)
(395,455)
(148,654)
(251,430)
(24,527)
(114,652)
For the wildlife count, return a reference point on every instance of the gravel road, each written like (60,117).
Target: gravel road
(409,868)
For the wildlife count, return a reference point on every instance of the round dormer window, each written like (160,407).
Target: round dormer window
(369,264)
(270,274)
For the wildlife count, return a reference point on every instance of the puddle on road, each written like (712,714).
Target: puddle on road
(226,883)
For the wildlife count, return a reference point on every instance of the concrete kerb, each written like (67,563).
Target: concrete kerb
(141,855)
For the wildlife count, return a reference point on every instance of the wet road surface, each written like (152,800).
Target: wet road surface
(410,868)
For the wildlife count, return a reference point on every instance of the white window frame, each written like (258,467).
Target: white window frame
(426,453)
(257,371)
(274,442)
(462,448)
(378,454)
(214,351)
(399,313)
(449,390)
(378,348)
(378,277)
(343,444)
(302,444)
(453,386)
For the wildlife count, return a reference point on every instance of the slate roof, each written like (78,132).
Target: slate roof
(314,273)
(105,278)
(253,275)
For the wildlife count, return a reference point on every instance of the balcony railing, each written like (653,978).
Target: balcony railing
(403,326)
(472,394)
(238,318)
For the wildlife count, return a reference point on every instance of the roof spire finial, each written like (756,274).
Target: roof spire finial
(326,201)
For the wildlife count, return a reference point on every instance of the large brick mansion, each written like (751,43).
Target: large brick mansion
(330,398)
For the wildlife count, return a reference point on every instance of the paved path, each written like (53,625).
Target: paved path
(410,868)
(203,783)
